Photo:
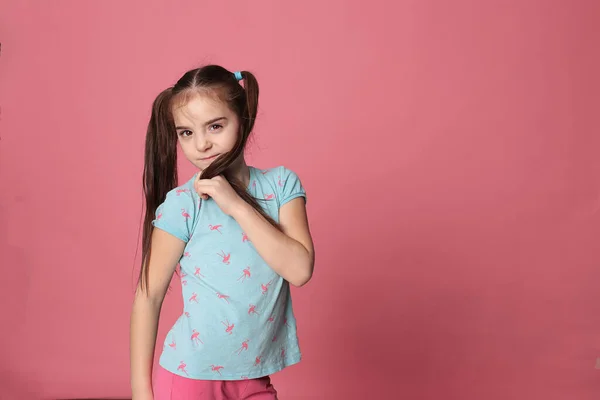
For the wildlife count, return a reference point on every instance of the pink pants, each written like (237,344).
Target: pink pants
(168,386)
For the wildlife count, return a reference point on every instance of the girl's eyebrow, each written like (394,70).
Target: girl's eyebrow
(212,121)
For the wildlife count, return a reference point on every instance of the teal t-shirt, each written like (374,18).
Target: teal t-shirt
(237,322)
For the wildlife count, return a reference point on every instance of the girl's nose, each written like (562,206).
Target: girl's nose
(201,143)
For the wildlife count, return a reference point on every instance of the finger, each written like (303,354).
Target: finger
(204,191)
(197,186)
(203,196)
(204,184)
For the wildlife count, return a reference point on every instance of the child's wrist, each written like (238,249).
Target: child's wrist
(242,209)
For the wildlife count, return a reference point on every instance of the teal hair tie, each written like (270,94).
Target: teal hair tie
(238,75)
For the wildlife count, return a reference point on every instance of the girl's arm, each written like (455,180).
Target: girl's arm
(166,250)
(289,253)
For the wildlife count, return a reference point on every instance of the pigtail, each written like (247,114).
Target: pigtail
(251,109)
(160,170)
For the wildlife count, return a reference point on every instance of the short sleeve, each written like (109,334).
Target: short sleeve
(290,186)
(176,214)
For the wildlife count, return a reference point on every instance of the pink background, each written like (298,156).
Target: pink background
(450,150)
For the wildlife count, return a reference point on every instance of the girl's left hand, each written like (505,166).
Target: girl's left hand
(221,192)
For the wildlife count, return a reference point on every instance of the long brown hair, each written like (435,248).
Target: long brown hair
(160,159)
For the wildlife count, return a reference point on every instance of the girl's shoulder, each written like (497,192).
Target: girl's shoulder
(280,172)
(182,196)
(284,181)
(178,213)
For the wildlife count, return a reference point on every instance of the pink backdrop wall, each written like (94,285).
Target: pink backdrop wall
(450,154)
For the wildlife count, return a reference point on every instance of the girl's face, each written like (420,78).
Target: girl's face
(206,128)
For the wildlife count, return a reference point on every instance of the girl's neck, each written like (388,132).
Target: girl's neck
(241,171)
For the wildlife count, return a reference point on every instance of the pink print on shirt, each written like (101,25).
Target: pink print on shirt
(181,367)
(223,296)
(229,327)
(196,337)
(245,275)
(225,257)
(265,288)
(215,228)
(244,346)
(217,368)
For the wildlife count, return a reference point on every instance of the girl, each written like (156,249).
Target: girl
(240,236)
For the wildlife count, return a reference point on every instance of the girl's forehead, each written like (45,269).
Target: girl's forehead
(199,107)
(212,96)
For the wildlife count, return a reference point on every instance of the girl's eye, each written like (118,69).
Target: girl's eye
(215,127)
(185,133)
